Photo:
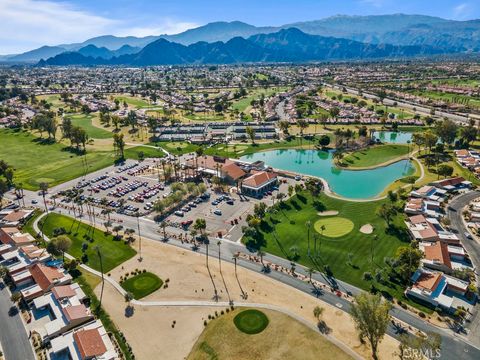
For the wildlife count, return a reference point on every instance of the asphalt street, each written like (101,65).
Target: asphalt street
(13,336)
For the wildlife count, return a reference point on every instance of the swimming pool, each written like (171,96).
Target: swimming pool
(354,184)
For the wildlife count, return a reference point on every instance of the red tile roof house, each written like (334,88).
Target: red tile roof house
(13,236)
(65,307)
(217,166)
(91,341)
(39,280)
(445,257)
(17,260)
(438,290)
(452,184)
(257,184)
(14,217)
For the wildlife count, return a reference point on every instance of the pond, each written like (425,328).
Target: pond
(394,137)
(353,184)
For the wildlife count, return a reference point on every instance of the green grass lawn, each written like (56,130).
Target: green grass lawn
(85,122)
(284,233)
(142,285)
(176,147)
(36,160)
(251,321)
(113,252)
(205,117)
(133,101)
(334,226)
(148,152)
(448,97)
(238,150)
(375,155)
(242,104)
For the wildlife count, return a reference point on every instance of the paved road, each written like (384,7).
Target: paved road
(421,109)
(13,336)
(454,345)
(472,246)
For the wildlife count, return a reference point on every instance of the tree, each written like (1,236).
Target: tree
(445,170)
(317,312)
(469,134)
(324,140)
(386,212)
(284,126)
(259,209)
(446,131)
(430,139)
(302,125)
(371,317)
(406,261)
(200,225)
(44,188)
(251,133)
(119,145)
(59,245)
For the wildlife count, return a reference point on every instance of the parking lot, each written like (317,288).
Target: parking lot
(128,189)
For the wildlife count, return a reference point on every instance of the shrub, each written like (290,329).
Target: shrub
(422,314)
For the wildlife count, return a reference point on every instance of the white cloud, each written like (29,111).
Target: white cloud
(27,23)
(165,26)
(462,11)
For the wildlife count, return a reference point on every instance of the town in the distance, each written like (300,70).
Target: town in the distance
(298,192)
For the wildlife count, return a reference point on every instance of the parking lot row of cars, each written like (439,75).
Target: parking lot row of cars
(137,170)
(127,188)
(192,204)
(126,167)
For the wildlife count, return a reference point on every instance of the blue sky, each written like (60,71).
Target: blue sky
(26,24)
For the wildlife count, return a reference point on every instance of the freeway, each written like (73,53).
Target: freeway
(13,336)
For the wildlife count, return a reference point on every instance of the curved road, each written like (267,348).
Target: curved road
(454,213)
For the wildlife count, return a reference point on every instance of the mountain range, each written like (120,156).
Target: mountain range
(286,45)
(447,36)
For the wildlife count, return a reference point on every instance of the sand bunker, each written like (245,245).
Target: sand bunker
(366,229)
(328,213)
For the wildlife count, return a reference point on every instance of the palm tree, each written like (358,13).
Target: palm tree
(317,312)
(311,271)
(137,215)
(308,224)
(220,268)
(215,295)
(101,272)
(261,254)
(235,258)
(44,188)
(163,225)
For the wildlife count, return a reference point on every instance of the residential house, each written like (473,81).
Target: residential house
(88,342)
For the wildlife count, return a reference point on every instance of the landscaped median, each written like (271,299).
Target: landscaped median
(141,284)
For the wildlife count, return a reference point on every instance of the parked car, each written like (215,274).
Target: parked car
(179,213)
(468,235)
(217,212)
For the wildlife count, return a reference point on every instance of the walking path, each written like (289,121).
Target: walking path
(122,292)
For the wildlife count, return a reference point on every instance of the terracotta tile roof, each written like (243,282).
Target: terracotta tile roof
(89,343)
(233,171)
(428,233)
(15,216)
(417,219)
(439,253)
(428,281)
(45,276)
(64,291)
(75,312)
(453,181)
(462,152)
(258,179)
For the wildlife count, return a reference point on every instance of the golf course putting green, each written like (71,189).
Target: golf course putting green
(251,321)
(335,226)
